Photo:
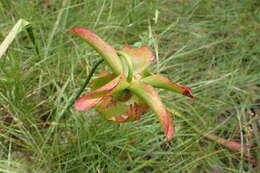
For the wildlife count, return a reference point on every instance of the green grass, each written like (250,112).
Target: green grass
(210,46)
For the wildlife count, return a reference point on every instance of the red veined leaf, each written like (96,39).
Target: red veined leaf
(102,47)
(148,94)
(91,99)
(141,57)
(160,81)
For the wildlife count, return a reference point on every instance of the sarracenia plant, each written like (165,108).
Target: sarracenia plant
(128,91)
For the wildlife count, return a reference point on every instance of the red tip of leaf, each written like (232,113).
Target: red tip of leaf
(170,132)
(188,92)
(236,147)
(82,31)
(232,145)
(169,128)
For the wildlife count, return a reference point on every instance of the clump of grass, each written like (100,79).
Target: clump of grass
(212,45)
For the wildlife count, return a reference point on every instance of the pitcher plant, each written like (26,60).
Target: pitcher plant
(128,91)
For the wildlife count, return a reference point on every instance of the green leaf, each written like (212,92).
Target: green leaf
(102,47)
(29,30)
(160,81)
(148,94)
(141,57)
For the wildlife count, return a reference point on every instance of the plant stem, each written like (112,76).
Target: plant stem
(85,83)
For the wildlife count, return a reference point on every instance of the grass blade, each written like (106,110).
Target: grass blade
(18,27)
(29,30)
